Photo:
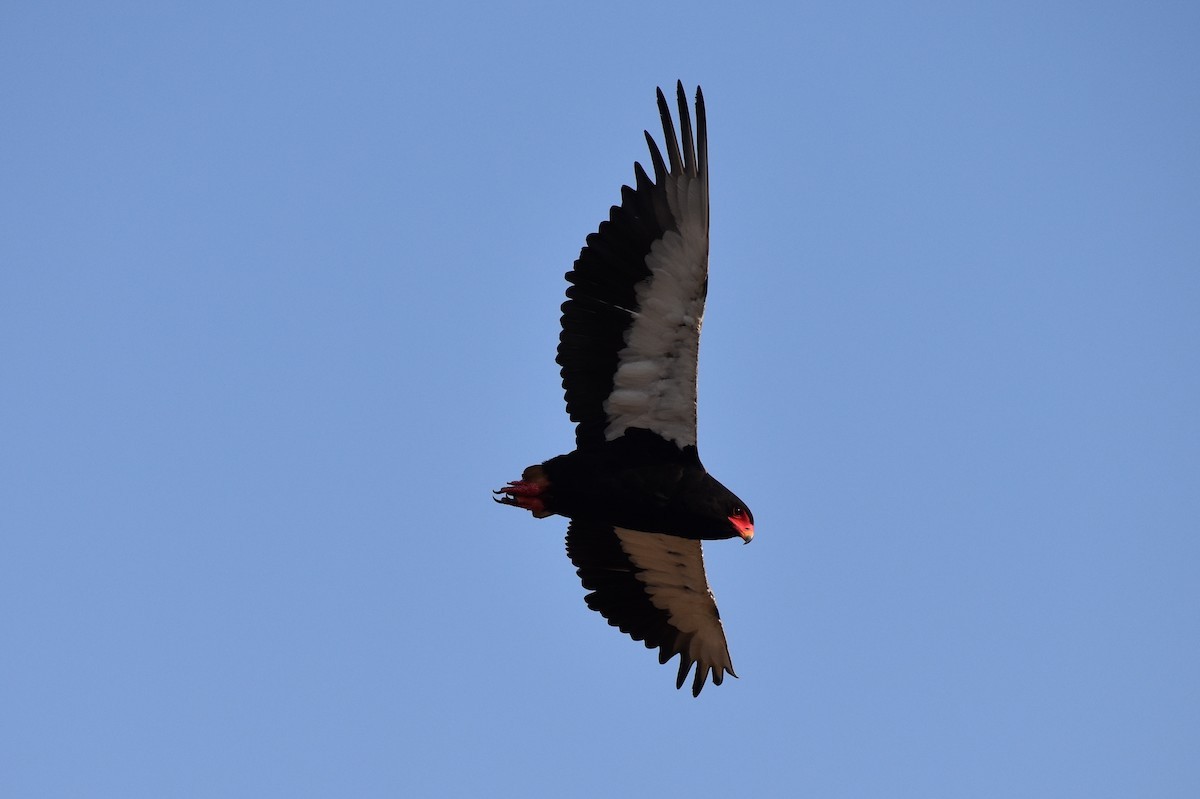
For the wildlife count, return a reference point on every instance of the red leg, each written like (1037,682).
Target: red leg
(526,493)
(522,488)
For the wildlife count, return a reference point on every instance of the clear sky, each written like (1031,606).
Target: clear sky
(279,289)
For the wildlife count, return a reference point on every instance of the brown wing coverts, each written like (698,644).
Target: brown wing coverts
(602,299)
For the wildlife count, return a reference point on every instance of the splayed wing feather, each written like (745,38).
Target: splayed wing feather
(653,588)
(631,324)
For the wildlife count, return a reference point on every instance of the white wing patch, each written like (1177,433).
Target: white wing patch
(654,386)
(672,570)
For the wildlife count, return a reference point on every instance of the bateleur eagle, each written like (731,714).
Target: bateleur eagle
(637,495)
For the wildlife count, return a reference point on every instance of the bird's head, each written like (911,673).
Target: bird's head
(703,508)
(743,522)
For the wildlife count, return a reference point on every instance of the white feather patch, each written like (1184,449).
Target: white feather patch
(655,383)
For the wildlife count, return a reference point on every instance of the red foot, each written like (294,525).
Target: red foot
(522,488)
(524,494)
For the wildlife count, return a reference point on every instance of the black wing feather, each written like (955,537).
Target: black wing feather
(602,298)
(626,579)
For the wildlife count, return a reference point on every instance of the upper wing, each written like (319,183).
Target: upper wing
(653,587)
(631,323)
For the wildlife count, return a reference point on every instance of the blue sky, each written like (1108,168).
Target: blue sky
(279,290)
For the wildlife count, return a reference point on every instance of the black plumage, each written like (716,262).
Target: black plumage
(639,498)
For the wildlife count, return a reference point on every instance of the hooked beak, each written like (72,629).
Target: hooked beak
(744,527)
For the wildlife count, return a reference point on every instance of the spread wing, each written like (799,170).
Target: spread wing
(631,322)
(653,588)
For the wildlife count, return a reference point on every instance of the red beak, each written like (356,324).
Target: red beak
(743,525)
